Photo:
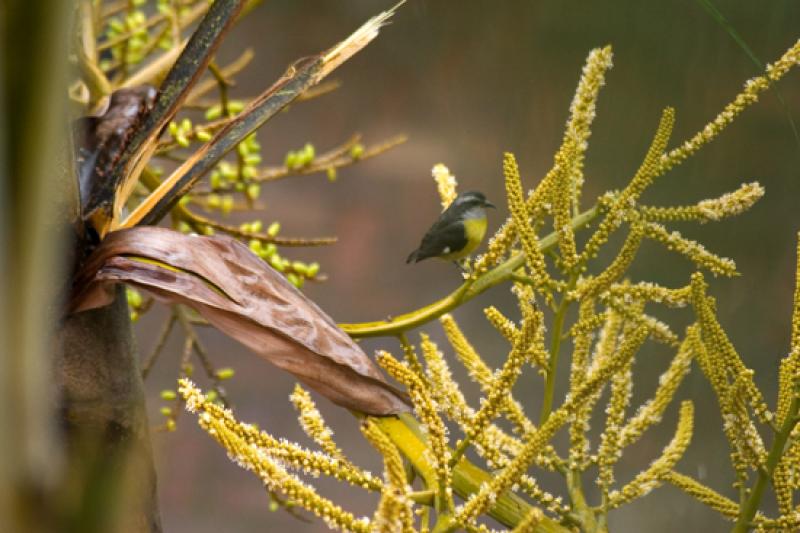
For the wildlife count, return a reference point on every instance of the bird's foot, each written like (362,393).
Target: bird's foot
(464,266)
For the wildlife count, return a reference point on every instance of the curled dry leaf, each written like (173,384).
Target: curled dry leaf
(246,299)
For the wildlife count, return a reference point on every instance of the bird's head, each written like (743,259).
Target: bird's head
(470,200)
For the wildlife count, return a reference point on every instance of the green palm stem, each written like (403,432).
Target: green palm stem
(467,291)
(748,511)
(584,514)
(509,509)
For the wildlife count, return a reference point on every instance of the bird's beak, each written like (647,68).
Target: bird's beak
(489,204)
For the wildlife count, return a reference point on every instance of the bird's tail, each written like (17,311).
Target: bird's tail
(414,257)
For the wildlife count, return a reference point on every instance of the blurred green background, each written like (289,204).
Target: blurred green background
(467,81)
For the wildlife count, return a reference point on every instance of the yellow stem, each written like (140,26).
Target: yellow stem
(508,509)
(468,290)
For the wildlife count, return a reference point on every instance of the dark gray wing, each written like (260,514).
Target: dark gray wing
(443,235)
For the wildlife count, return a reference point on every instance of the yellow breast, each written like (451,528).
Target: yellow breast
(475,229)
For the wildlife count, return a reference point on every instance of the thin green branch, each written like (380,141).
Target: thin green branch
(199,222)
(555,348)
(748,511)
(158,347)
(205,361)
(467,291)
(584,514)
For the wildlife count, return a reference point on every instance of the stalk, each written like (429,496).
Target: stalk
(555,348)
(750,508)
(467,291)
(509,509)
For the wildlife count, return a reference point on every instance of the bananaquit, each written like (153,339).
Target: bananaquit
(457,231)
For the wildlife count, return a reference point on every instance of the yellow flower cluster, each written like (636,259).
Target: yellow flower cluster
(648,170)
(650,292)
(713,209)
(752,89)
(247,448)
(536,353)
(620,208)
(498,246)
(498,388)
(494,443)
(646,481)
(710,366)
(394,509)
(713,499)
(445,183)
(721,349)
(693,250)
(564,193)
(501,323)
(314,425)
(737,422)
(519,214)
(659,330)
(795,343)
(582,113)
(781,481)
(583,331)
(427,411)
(789,522)
(444,389)
(481,374)
(567,170)
(791,460)
(610,449)
(650,413)
(593,286)
(288,453)
(411,359)
(501,385)
(587,324)
(536,440)
(789,376)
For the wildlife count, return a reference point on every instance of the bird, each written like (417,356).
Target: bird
(457,231)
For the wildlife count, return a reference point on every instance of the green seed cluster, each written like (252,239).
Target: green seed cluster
(296,159)
(357,151)
(240,176)
(234,107)
(135,302)
(224,373)
(181,132)
(133,49)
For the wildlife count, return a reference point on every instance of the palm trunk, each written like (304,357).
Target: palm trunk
(75,456)
(109,475)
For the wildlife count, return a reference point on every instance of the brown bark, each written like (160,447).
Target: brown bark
(110,479)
